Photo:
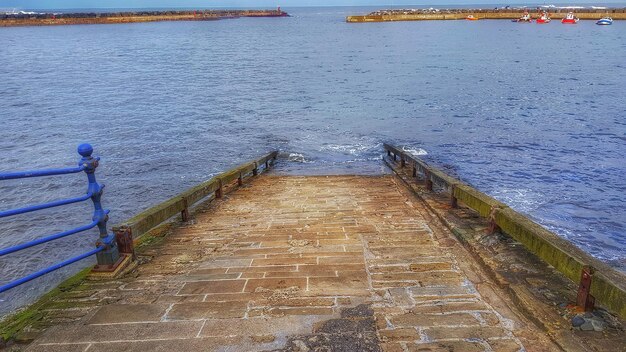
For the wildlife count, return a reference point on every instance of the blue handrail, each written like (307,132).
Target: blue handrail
(49,269)
(47,239)
(4,214)
(39,173)
(106,247)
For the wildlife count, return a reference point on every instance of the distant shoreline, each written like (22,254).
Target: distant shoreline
(492,14)
(51,19)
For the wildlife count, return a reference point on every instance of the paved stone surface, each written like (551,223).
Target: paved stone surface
(341,263)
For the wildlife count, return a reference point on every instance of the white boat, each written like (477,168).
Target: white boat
(526,18)
(605,21)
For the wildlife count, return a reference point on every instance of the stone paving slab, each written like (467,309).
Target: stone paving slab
(286,263)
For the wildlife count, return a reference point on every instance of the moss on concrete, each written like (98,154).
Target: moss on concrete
(476,200)
(13,324)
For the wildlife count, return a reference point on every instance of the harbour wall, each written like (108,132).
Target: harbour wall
(608,286)
(49,19)
(500,14)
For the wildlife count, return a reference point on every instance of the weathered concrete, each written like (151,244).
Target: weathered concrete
(340,263)
(538,290)
(491,14)
(608,285)
(49,19)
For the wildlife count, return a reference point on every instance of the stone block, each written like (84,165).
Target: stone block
(207,310)
(254,285)
(128,313)
(213,286)
(426,320)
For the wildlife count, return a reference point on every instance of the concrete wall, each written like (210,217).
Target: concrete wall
(459,14)
(608,285)
(47,19)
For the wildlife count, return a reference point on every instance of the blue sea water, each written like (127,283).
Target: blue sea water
(533,115)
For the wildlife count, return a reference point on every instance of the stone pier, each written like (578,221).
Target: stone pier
(289,263)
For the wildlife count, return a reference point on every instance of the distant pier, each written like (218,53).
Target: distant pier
(488,14)
(48,19)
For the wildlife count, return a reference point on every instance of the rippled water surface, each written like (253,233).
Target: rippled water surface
(533,115)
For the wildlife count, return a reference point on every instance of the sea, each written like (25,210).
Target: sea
(534,115)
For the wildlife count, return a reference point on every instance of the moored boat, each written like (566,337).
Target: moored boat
(544,18)
(471,18)
(525,18)
(605,21)
(570,19)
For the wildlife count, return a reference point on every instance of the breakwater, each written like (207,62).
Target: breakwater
(47,19)
(489,14)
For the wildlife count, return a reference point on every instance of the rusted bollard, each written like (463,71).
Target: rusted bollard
(240,180)
(124,240)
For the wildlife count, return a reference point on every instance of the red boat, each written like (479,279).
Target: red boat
(544,18)
(570,19)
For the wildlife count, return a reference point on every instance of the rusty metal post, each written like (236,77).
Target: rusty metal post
(184,214)
(493,227)
(240,180)
(267,164)
(584,299)
(219,192)
(453,201)
(402,161)
(429,182)
(124,239)
(414,171)
(255,171)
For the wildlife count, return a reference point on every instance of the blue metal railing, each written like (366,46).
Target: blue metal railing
(106,248)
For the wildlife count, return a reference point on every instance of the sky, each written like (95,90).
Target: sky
(70,4)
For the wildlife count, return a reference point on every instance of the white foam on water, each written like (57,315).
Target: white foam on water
(351,149)
(415,151)
(298,158)
(522,199)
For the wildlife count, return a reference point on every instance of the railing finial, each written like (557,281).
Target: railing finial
(85,150)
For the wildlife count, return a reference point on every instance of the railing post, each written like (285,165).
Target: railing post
(110,255)
(414,171)
(240,179)
(255,171)
(402,161)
